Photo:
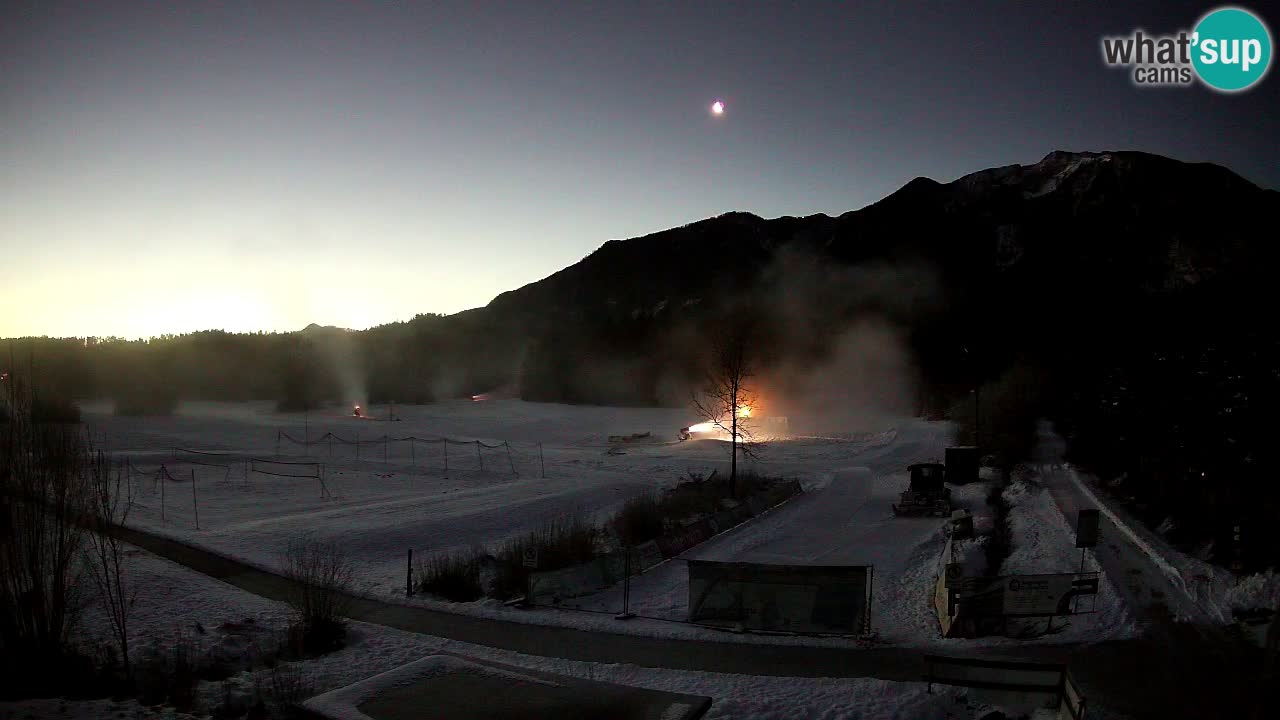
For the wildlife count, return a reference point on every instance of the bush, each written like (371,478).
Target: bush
(647,517)
(167,676)
(639,520)
(560,543)
(47,408)
(452,576)
(1001,542)
(320,594)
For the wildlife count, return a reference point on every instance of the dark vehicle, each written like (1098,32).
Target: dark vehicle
(927,496)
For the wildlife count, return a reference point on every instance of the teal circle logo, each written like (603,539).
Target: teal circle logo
(1231,49)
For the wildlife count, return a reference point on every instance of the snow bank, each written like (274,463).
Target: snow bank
(343,703)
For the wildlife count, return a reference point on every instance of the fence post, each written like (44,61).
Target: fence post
(479,456)
(513,462)
(413,451)
(542,463)
(408,576)
(195,501)
(626,613)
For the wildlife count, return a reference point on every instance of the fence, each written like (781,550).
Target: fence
(969,606)
(386,442)
(284,469)
(781,598)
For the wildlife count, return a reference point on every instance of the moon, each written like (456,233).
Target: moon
(717,108)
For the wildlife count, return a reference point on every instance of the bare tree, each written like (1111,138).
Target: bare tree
(106,552)
(42,501)
(727,396)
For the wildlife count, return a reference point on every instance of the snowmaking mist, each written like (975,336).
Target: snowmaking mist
(837,360)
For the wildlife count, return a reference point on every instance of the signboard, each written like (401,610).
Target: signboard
(531,557)
(786,598)
(953,575)
(1087,528)
(1038,595)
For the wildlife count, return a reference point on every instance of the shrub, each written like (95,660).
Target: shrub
(561,542)
(640,520)
(1001,542)
(286,688)
(167,676)
(320,594)
(452,576)
(647,517)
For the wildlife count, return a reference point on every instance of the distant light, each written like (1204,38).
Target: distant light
(717,108)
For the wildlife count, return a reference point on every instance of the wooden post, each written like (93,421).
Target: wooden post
(408,577)
(542,463)
(195,501)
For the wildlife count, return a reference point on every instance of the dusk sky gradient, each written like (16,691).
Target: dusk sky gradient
(167,167)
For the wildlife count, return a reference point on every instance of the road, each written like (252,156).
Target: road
(1189,663)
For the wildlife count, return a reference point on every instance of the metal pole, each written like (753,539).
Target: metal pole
(626,587)
(195,501)
(871,580)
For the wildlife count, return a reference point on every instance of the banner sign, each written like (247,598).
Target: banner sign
(1022,595)
(784,598)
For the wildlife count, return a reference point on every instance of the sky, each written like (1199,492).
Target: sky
(171,166)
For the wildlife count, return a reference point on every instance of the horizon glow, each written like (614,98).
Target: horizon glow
(173,168)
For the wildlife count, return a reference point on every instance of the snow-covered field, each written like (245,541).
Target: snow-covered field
(393,498)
